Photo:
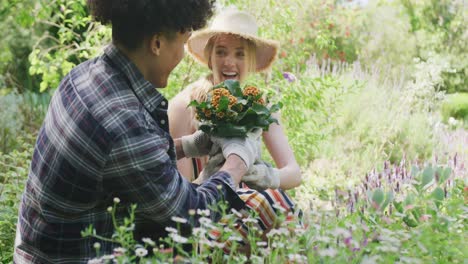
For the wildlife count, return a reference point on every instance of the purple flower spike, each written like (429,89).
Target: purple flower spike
(289,77)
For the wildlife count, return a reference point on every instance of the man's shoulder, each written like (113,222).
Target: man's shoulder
(107,95)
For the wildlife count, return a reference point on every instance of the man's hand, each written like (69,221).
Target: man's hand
(261,177)
(212,166)
(196,145)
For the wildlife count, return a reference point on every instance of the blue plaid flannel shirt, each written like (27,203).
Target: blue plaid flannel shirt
(105,135)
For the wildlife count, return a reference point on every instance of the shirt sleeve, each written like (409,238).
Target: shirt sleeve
(139,171)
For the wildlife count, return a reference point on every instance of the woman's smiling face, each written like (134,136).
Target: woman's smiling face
(228,59)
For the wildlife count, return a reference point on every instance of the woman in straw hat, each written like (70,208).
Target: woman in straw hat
(231,49)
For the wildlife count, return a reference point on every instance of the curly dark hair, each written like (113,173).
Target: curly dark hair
(133,20)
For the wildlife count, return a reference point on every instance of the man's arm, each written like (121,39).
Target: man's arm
(140,171)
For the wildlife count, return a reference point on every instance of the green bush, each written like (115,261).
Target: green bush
(21,115)
(14,168)
(456,106)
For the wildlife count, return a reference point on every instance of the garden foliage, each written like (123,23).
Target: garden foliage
(360,86)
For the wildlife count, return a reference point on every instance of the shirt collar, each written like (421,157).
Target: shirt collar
(144,90)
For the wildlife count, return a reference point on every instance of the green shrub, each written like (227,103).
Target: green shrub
(11,121)
(14,168)
(20,115)
(456,106)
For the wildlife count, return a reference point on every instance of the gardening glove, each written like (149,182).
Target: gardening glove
(246,148)
(196,145)
(261,176)
(212,166)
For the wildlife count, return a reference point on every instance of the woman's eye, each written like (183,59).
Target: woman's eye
(220,52)
(240,54)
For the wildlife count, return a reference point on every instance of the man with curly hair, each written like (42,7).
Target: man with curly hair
(106,140)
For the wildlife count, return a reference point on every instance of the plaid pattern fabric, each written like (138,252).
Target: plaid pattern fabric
(105,135)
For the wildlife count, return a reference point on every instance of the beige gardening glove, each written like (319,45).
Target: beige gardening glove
(246,148)
(212,166)
(261,176)
(197,144)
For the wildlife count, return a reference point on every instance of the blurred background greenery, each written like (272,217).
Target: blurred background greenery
(375,81)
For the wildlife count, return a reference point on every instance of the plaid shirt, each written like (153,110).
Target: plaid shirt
(105,135)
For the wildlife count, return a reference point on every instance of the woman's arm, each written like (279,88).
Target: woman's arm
(180,124)
(278,146)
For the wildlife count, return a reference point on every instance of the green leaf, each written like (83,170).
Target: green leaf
(276,107)
(223,104)
(378,196)
(388,199)
(438,194)
(445,175)
(414,171)
(206,128)
(260,109)
(230,130)
(194,103)
(233,86)
(427,177)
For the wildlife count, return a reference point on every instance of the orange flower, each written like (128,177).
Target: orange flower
(251,91)
(220,114)
(261,101)
(283,54)
(217,94)
(232,100)
(207,113)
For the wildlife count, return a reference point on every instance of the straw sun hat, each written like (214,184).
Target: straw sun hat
(239,23)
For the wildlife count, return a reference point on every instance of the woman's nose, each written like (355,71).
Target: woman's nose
(229,61)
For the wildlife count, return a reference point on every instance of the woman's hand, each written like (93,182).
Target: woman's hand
(246,148)
(196,145)
(262,176)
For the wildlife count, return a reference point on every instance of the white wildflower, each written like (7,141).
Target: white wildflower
(328,252)
(97,245)
(107,257)
(296,258)
(341,232)
(371,259)
(95,261)
(116,200)
(141,252)
(236,213)
(219,245)
(179,219)
(206,242)
(171,230)
(204,220)
(262,244)
(452,122)
(191,212)
(264,251)
(277,245)
(119,251)
(205,212)
(148,241)
(250,220)
(257,259)
(235,238)
(178,238)
(198,232)
(109,209)
(280,232)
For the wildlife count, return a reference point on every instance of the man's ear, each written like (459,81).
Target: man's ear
(155,45)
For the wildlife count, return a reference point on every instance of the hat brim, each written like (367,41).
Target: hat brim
(266,50)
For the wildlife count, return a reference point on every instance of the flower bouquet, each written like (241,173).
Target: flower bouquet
(232,111)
